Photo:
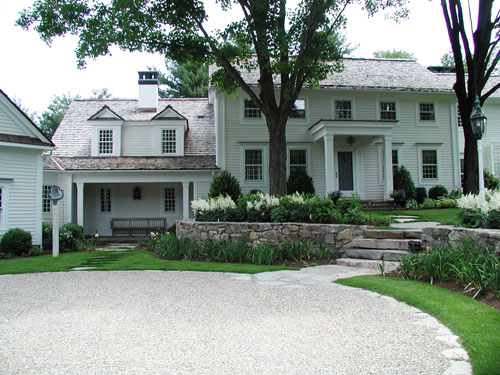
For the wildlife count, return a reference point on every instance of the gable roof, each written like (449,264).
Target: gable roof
(373,74)
(32,136)
(166,114)
(103,114)
(73,136)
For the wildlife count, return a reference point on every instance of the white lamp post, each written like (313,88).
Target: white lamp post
(55,195)
(478,123)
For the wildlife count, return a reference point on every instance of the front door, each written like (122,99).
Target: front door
(346,181)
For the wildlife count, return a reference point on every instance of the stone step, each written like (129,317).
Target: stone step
(367,263)
(385,244)
(374,254)
(392,234)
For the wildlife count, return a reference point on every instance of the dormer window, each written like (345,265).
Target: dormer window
(105,142)
(168,141)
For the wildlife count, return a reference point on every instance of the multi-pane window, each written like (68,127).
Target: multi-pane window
(387,110)
(46,199)
(429,164)
(251,110)
(395,161)
(168,141)
(343,110)
(298,109)
(427,112)
(459,117)
(105,141)
(253,165)
(298,160)
(105,200)
(169,199)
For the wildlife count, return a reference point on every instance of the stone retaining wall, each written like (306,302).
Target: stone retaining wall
(442,235)
(334,236)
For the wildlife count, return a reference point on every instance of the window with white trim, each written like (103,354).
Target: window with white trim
(298,160)
(168,141)
(395,161)
(343,110)
(427,112)
(169,199)
(387,110)
(429,164)
(46,199)
(251,109)
(1,207)
(298,109)
(105,141)
(253,165)
(105,200)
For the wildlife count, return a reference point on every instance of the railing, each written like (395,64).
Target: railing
(137,226)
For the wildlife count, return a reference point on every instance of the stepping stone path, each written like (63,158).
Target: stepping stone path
(107,255)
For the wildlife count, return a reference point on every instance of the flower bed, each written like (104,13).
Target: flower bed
(300,208)
(481,210)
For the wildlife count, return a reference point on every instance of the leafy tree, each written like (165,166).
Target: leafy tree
(184,80)
(50,118)
(101,93)
(394,54)
(294,47)
(447,60)
(475,56)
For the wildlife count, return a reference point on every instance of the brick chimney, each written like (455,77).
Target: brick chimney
(148,91)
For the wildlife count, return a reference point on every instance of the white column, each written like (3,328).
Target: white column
(79,203)
(55,229)
(480,164)
(185,200)
(329,164)
(388,187)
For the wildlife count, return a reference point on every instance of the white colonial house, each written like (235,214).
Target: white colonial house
(148,158)
(21,174)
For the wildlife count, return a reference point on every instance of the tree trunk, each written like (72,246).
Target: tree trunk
(471,171)
(277,155)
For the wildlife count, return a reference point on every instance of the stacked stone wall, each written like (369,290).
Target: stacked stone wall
(438,236)
(333,236)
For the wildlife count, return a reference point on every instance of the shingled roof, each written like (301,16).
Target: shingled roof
(73,136)
(374,74)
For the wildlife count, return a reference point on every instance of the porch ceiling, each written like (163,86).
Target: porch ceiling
(368,128)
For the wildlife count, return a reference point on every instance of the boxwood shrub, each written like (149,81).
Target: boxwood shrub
(16,242)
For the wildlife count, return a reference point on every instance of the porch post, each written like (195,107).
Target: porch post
(185,200)
(388,187)
(79,203)
(329,164)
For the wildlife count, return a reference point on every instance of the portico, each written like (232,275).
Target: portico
(343,164)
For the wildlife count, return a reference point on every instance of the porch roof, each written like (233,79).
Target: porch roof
(58,163)
(352,127)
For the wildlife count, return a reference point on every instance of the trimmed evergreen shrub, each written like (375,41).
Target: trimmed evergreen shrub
(299,181)
(225,184)
(490,181)
(421,194)
(16,242)
(71,237)
(438,192)
(402,181)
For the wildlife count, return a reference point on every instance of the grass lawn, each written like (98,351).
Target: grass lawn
(135,260)
(446,216)
(477,324)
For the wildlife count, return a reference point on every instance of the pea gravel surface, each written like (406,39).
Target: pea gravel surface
(147,322)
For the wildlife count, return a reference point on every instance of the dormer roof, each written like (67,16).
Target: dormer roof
(106,114)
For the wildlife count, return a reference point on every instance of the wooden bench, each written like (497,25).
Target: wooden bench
(138,226)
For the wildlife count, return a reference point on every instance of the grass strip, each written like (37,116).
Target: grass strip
(445,216)
(477,324)
(135,260)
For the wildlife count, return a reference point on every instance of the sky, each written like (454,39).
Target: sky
(33,72)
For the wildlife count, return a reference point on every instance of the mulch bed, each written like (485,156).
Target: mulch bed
(488,298)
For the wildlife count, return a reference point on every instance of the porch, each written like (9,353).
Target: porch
(344,142)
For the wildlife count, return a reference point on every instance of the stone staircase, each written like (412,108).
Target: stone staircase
(377,244)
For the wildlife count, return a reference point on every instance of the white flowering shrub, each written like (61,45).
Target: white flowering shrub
(481,210)
(260,205)
(221,208)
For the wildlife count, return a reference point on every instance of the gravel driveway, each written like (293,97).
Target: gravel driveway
(148,322)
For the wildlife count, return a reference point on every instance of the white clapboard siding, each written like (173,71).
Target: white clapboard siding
(8,126)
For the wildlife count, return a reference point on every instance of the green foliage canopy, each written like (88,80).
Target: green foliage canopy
(293,47)
(184,80)
(394,54)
